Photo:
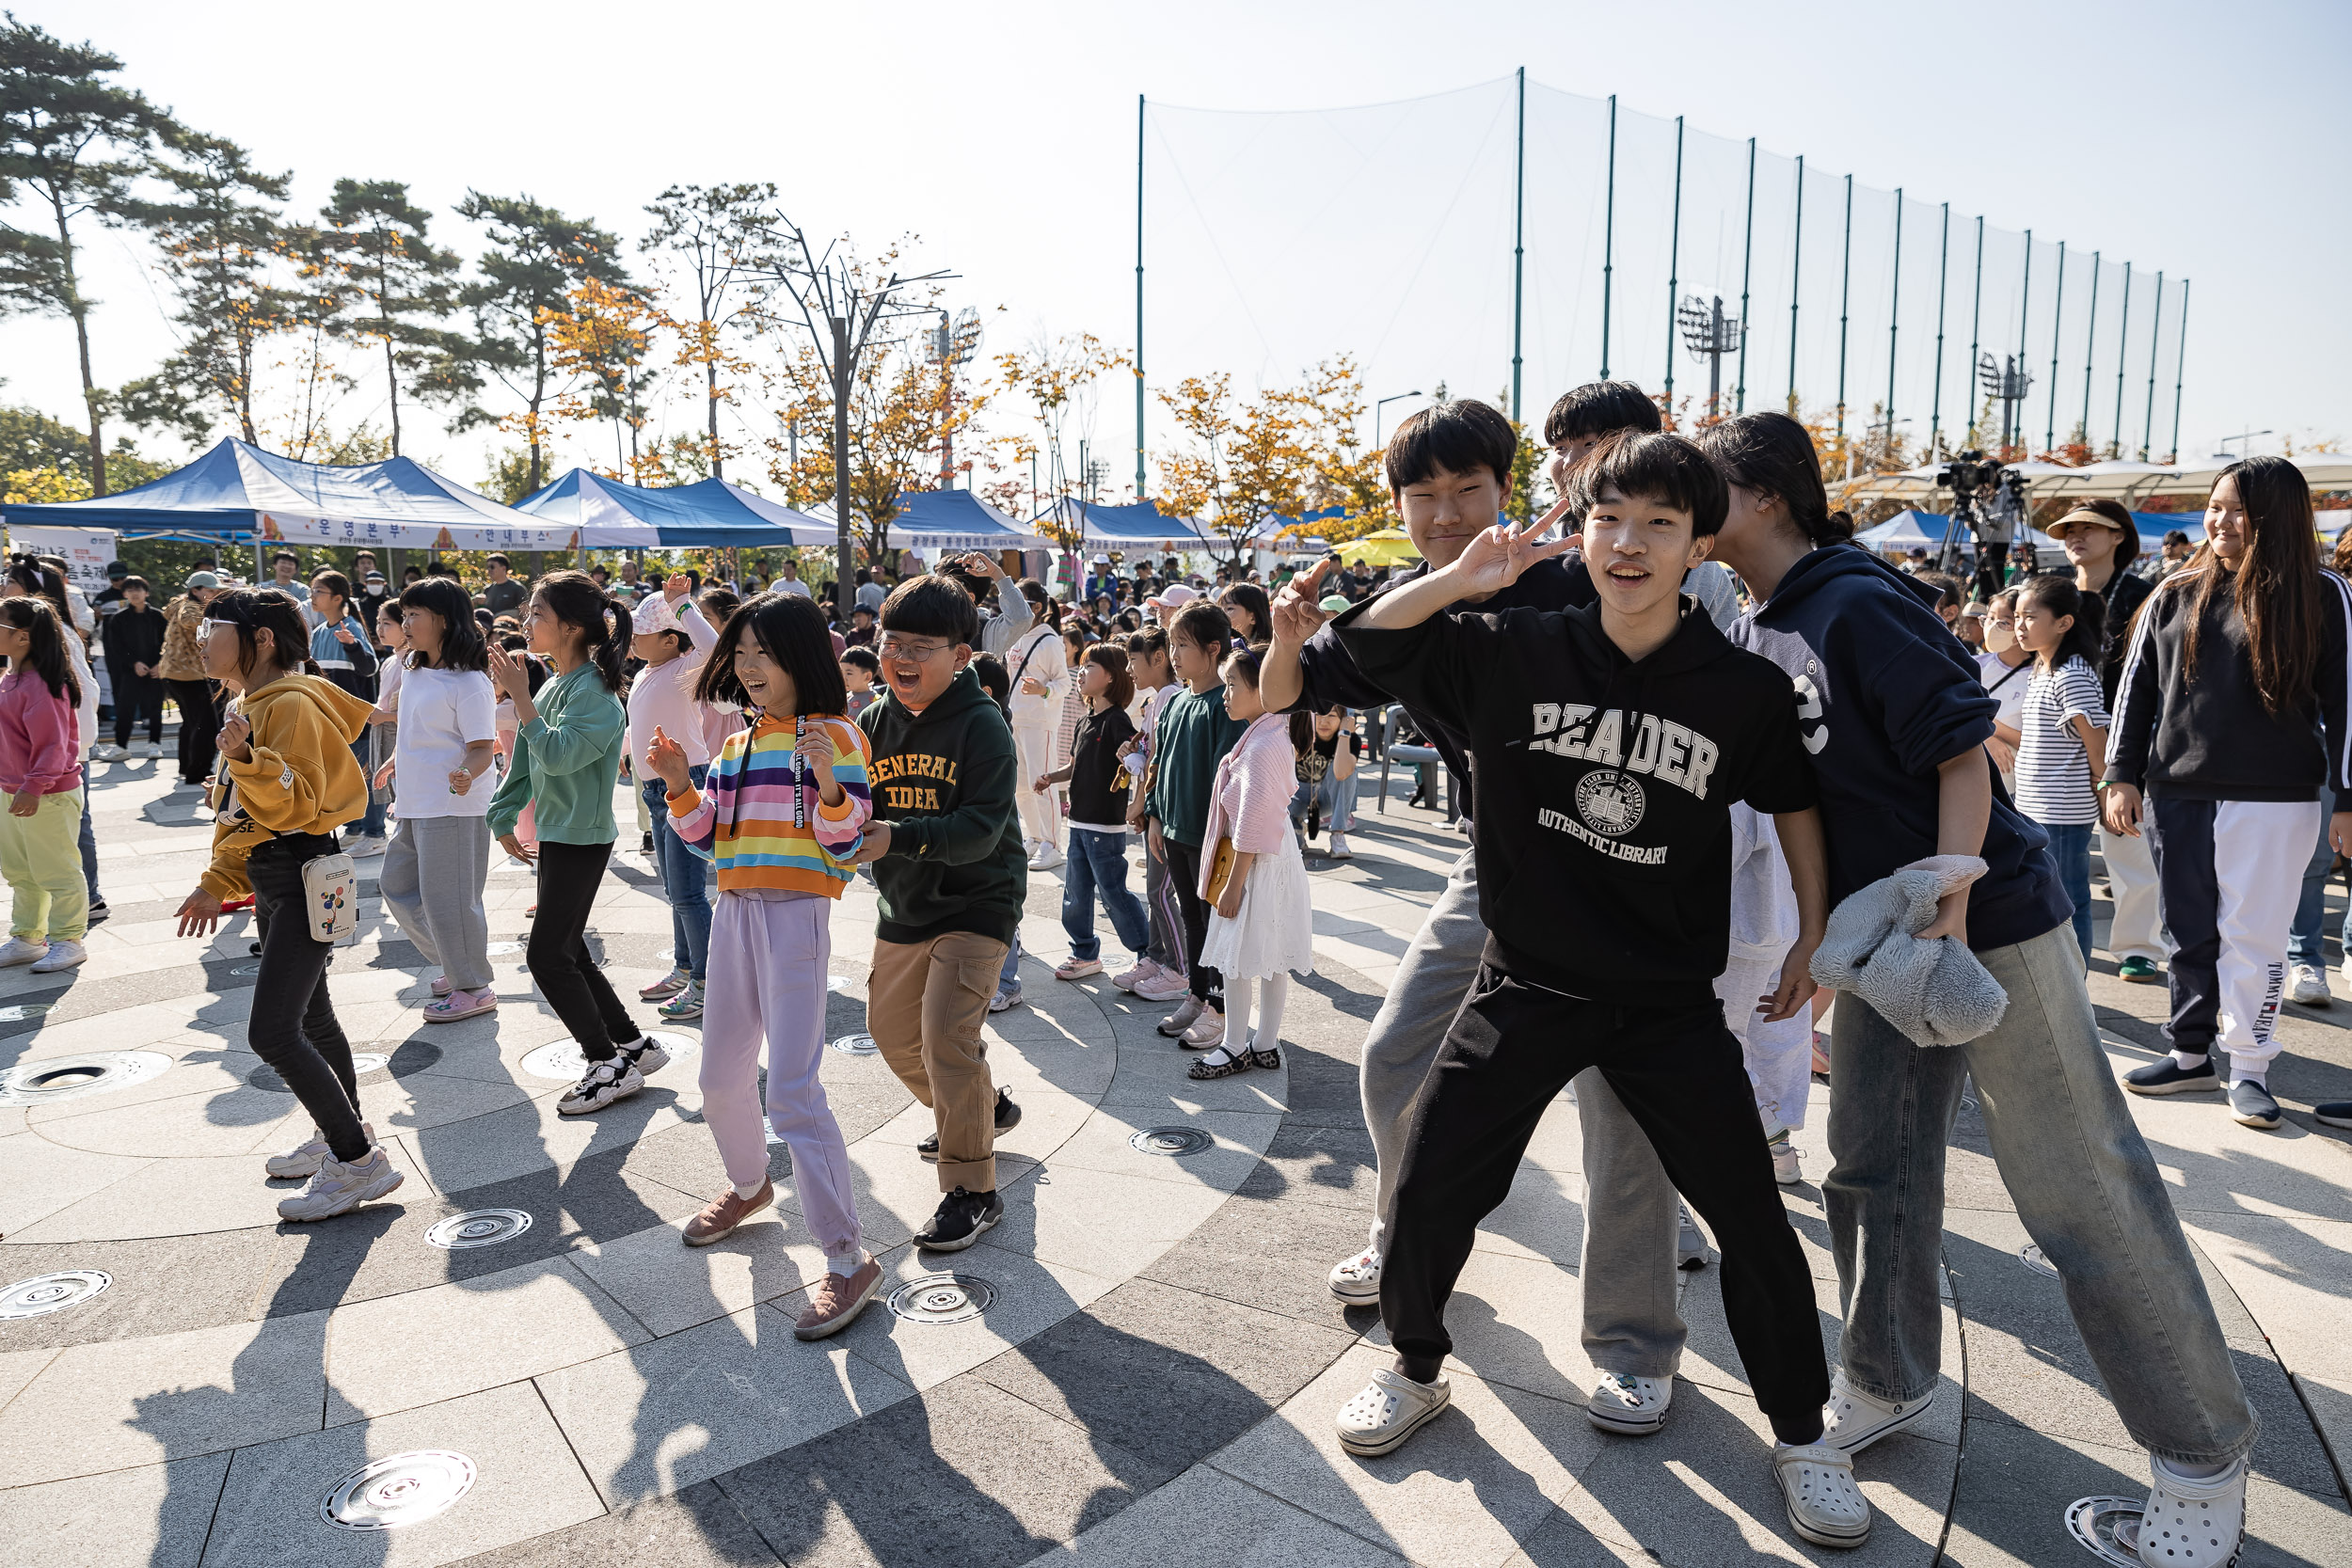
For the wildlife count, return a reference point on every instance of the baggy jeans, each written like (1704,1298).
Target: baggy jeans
(1431,980)
(2085,1186)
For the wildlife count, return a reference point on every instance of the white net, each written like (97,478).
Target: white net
(1273,241)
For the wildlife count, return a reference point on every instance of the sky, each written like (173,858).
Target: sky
(1004,138)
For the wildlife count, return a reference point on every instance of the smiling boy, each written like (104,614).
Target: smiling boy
(1610,744)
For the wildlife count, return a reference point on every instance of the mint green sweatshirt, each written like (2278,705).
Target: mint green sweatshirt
(566,763)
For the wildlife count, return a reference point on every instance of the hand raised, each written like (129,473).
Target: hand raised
(676,587)
(508,675)
(818,746)
(1498,556)
(665,759)
(1297,613)
(232,737)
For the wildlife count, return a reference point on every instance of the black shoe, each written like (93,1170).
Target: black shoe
(2168,1077)
(960,1218)
(255,949)
(649,844)
(2252,1104)
(98,910)
(2335,1113)
(1008,1118)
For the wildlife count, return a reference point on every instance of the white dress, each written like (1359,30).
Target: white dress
(1274,933)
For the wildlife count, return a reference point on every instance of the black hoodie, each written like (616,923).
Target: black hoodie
(944,779)
(1604,832)
(1887,695)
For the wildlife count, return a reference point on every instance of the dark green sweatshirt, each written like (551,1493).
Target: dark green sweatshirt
(943,780)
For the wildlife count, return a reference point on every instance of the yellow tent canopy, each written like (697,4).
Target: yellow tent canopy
(1390,546)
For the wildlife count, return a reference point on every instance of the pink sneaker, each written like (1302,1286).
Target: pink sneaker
(1164,986)
(461,1003)
(1078,968)
(1207,1030)
(1128,979)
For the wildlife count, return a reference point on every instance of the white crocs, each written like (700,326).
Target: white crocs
(1627,1405)
(1357,1280)
(1853,1420)
(1824,1504)
(2189,1524)
(1391,1408)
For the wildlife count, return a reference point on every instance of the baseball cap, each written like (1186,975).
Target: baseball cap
(201,579)
(1174,596)
(117,569)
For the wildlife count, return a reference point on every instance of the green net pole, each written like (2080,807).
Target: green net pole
(1935,395)
(1138,296)
(1518,246)
(2057,323)
(2155,341)
(2090,343)
(1845,296)
(2180,373)
(1976,340)
(2122,338)
(1673,270)
(1894,317)
(1609,237)
(1747,267)
(1796,266)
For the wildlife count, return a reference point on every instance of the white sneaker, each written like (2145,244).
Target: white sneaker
(1627,1405)
(339,1187)
(1390,1409)
(61,955)
(19,951)
(2308,986)
(1689,1243)
(108,753)
(1047,857)
(305,1159)
(1142,970)
(1165,985)
(604,1083)
(2197,1524)
(361,846)
(1357,1280)
(1786,1165)
(1337,849)
(1824,1505)
(1853,1420)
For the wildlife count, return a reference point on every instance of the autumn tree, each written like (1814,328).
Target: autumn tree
(396,290)
(1287,451)
(537,257)
(71,147)
(715,234)
(601,340)
(1055,376)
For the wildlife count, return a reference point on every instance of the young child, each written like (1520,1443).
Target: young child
(861,673)
(944,844)
(341,648)
(441,771)
(567,758)
(782,810)
(134,639)
(1609,745)
(1261,927)
(1098,817)
(1162,976)
(2061,728)
(673,639)
(384,721)
(1327,776)
(41,771)
(1194,734)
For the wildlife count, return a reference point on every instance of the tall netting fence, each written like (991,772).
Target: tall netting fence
(1393,232)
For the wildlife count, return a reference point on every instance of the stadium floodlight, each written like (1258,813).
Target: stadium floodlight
(1710,335)
(2007,384)
(955,339)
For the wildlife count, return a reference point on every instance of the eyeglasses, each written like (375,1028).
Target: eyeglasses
(913,652)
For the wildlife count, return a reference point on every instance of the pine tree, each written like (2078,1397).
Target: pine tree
(396,289)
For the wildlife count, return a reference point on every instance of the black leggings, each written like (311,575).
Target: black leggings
(1512,1047)
(1184,874)
(293,1025)
(135,696)
(568,978)
(199,725)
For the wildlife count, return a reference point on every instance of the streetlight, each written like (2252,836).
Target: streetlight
(1710,335)
(2241,436)
(1383,404)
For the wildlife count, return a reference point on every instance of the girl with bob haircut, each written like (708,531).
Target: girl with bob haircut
(780,814)
(1895,715)
(2235,666)
(441,770)
(41,769)
(1100,786)
(569,741)
(2061,729)
(287,781)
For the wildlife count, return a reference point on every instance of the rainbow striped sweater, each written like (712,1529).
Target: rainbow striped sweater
(742,819)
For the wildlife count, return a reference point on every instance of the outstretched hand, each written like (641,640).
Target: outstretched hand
(1296,610)
(665,759)
(1501,555)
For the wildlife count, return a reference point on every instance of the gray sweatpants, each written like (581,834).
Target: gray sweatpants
(434,869)
(1630,1211)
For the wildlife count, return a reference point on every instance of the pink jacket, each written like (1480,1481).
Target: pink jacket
(40,747)
(1251,802)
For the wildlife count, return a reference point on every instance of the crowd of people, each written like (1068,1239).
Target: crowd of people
(1681,718)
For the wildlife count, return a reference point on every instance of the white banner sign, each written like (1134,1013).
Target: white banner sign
(86,551)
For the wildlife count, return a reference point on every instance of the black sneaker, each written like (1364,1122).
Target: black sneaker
(2252,1104)
(958,1220)
(2168,1077)
(1008,1118)
(2335,1113)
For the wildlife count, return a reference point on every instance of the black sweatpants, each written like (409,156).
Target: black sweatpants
(568,978)
(135,696)
(293,1026)
(1511,1049)
(1184,874)
(200,727)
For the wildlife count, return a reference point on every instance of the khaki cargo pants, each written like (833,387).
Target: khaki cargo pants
(925,1005)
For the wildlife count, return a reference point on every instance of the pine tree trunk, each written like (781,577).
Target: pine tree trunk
(711,375)
(80,313)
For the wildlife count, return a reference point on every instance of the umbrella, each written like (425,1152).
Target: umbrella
(1391,547)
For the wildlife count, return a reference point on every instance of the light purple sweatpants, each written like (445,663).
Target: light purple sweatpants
(766,977)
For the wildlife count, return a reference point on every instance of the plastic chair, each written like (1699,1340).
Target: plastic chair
(1391,753)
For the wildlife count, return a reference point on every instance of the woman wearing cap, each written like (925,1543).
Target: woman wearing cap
(673,639)
(182,670)
(2102,541)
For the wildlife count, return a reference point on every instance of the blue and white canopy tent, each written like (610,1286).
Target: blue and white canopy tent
(1137,526)
(958,520)
(708,513)
(1905,531)
(238,492)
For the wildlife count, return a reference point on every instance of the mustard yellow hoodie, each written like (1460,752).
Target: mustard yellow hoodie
(299,777)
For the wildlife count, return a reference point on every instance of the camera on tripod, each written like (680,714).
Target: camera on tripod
(1968,473)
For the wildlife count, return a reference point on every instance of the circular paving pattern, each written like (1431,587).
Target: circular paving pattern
(73,1077)
(1174,1142)
(479,1228)
(942,1298)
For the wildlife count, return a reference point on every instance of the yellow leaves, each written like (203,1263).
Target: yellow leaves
(1287,451)
(44,486)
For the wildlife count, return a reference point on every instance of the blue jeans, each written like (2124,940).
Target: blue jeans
(2070,852)
(89,842)
(1098,863)
(2306,942)
(373,824)
(685,879)
(2085,1186)
(1009,978)
(1337,797)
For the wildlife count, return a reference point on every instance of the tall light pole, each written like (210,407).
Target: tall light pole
(1383,404)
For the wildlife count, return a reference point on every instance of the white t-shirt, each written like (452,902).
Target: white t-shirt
(2053,774)
(790,585)
(2006,684)
(441,713)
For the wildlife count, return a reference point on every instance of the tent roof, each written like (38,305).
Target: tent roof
(709,512)
(1137,524)
(237,488)
(2120,479)
(958,520)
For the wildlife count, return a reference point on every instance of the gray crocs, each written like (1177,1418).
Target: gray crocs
(1824,1505)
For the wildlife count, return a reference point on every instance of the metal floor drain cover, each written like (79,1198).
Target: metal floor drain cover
(52,1292)
(71,1077)
(2092,1522)
(245,969)
(1174,1142)
(2031,1256)
(363,1062)
(561,1059)
(479,1228)
(19,1012)
(942,1298)
(859,1044)
(404,1489)
(499,949)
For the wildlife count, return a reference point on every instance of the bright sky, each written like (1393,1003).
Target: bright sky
(2187,138)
